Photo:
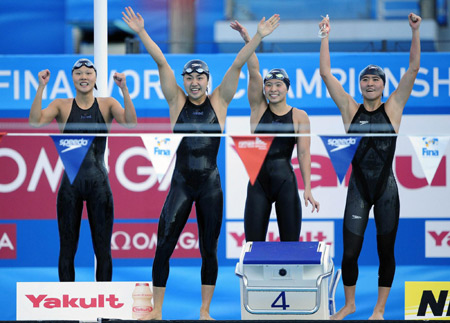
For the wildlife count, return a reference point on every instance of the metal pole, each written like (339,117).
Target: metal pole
(101,45)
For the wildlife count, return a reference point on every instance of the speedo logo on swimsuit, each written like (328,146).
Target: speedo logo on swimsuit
(363,122)
(340,144)
(356,217)
(72,144)
(257,143)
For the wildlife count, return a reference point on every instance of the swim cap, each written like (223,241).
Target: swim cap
(84,62)
(373,70)
(196,65)
(278,74)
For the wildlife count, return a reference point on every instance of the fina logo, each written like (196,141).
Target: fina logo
(431,147)
(159,150)
(72,144)
(340,143)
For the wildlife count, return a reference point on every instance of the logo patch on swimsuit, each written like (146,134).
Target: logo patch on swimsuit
(363,122)
(356,217)
(198,112)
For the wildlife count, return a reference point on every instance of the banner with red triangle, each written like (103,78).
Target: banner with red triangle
(1,135)
(252,151)
(72,150)
(341,150)
(161,150)
(429,150)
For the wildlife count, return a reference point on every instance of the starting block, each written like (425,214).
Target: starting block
(286,281)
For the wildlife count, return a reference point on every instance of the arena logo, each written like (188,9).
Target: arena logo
(66,301)
(8,243)
(437,239)
(138,240)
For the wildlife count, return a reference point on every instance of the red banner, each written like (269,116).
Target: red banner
(252,151)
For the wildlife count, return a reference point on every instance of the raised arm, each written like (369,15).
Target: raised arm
(346,104)
(255,85)
(225,91)
(172,92)
(126,117)
(302,123)
(397,101)
(39,117)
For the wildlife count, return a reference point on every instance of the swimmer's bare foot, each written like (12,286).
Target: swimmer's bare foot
(376,316)
(204,316)
(153,315)
(343,312)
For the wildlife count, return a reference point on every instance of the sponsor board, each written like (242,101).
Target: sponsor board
(427,300)
(138,240)
(326,188)
(8,241)
(311,231)
(437,239)
(74,300)
(18,78)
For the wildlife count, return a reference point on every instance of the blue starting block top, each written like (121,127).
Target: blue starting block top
(291,253)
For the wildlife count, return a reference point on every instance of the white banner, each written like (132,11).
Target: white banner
(162,151)
(74,300)
(429,151)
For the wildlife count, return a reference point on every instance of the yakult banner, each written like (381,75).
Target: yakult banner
(18,79)
(85,301)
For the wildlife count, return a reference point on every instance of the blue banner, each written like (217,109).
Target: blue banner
(72,150)
(431,92)
(341,150)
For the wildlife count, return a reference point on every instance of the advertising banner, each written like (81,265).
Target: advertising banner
(18,79)
(427,300)
(85,301)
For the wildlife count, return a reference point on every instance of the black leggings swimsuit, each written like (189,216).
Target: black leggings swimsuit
(91,185)
(196,179)
(276,182)
(372,183)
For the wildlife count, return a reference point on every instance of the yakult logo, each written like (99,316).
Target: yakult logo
(66,301)
(437,239)
(340,143)
(72,144)
(311,231)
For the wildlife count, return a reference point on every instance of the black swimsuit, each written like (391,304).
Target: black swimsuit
(195,179)
(276,182)
(372,183)
(91,185)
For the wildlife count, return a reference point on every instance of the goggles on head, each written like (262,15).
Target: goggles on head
(199,70)
(83,62)
(196,65)
(278,74)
